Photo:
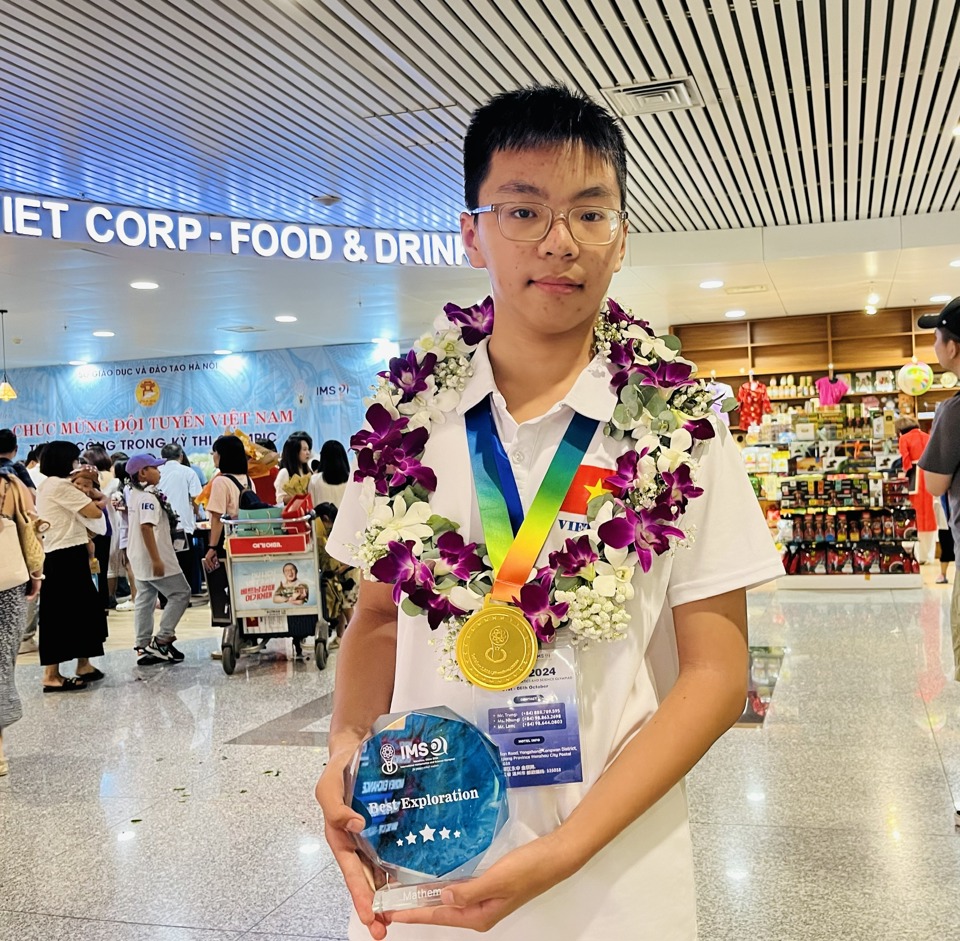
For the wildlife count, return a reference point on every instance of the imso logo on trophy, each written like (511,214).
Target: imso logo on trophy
(387,754)
(499,638)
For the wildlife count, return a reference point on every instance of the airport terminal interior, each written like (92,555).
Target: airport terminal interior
(221,216)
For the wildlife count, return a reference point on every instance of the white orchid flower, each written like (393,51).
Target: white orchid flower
(670,459)
(388,398)
(616,574)
(465,599)
(654,345)
(681,440)
(401,523)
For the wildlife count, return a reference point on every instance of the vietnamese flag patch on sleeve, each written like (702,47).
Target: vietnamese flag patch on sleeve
(587,484)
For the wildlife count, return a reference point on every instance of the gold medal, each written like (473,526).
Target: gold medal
(497,648)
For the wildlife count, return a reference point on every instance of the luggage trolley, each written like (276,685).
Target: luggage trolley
(273,573)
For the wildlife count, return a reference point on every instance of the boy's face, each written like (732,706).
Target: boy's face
(84,484)
(149,475)
(556,284)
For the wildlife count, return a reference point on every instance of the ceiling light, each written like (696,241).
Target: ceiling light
(78,362)
(735,314)
(955,263)
(940,298)
(956,131)
(869,310)
(104,333)
(222,352)
(285,318)
(327,199)
(873,299)
(710,285)
(144,285)
(7,392)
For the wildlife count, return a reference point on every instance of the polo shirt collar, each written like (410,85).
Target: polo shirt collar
(591,395)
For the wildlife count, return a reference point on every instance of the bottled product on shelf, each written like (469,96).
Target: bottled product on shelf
(847,525)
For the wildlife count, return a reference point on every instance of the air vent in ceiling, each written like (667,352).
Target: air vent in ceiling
(673,94)
(746,289)
(244,328)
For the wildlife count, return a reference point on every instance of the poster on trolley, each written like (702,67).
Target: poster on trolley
(281,586)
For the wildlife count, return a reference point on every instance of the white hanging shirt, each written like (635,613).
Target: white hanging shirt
(644,878)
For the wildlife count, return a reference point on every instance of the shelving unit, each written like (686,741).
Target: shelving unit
(808,344)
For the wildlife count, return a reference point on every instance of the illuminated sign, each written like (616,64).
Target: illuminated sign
(75,221)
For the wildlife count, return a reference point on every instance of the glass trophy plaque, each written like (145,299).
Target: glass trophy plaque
(432,792)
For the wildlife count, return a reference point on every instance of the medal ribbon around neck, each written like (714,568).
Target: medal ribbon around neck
(513,540)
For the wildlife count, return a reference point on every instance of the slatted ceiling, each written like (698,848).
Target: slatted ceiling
(815,111)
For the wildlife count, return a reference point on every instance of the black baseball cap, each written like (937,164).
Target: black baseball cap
(948,318)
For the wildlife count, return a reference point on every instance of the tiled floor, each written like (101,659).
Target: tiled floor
(174,803)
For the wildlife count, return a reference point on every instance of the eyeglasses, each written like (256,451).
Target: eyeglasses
(530,222)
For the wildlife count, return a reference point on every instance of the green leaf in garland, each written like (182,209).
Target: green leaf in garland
(410,609)
(671,342)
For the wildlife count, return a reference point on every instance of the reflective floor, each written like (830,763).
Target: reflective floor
(174,803)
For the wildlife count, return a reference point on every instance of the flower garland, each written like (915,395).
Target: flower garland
(662,410)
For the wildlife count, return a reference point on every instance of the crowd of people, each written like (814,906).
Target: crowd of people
(118,532)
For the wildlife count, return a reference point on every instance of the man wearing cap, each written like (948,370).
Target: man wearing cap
(941,457)
(151,524)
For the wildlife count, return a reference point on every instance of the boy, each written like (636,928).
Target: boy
(150,526)
(545,176)
(941,457)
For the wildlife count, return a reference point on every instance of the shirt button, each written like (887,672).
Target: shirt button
(518,457)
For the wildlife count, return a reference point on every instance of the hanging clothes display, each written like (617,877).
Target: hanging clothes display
(720,391)
(754,403)
(831,390)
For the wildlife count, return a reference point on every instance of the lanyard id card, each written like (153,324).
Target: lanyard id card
(536,725)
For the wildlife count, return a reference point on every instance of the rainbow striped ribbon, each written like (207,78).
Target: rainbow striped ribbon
(515,546)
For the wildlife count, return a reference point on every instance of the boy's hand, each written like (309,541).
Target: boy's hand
(339,823)
(518,877)
(157,568)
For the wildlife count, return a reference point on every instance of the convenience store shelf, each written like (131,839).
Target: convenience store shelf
(848,582)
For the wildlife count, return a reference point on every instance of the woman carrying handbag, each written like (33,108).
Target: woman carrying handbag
(21,570)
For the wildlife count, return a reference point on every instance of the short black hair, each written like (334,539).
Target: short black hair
(539,116)
(171,452)
(120,471)
(305,435)
(116,456)
(98,457)
(334,463)
(34,453)
(58,458)
(233,457)
(8,441)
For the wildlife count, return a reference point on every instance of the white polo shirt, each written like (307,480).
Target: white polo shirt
(143,507)
(179,484)
(641,885)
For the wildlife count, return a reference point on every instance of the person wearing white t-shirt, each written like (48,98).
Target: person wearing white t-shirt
(73,625)
(609,857)
(181,486)
(151,523)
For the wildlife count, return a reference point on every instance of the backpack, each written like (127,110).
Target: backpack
(248,497)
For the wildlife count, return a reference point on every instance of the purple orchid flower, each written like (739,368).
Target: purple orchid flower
(701,429)
(534,601)
(642,531)
(625,479)
(409,376)
(399,567)
(458,558)
(575,556)
(397,467)
(437,607)
(384,429)
(665,375)
(618,315)
(476,322)
(680,489)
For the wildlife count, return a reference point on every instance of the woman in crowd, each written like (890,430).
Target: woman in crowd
(97,457)
(15,501)
(294,460)
(328,485)
(73,624)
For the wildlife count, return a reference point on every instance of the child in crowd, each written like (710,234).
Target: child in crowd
(151,523)
(86,480)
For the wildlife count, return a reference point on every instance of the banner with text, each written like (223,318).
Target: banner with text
(142,405)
